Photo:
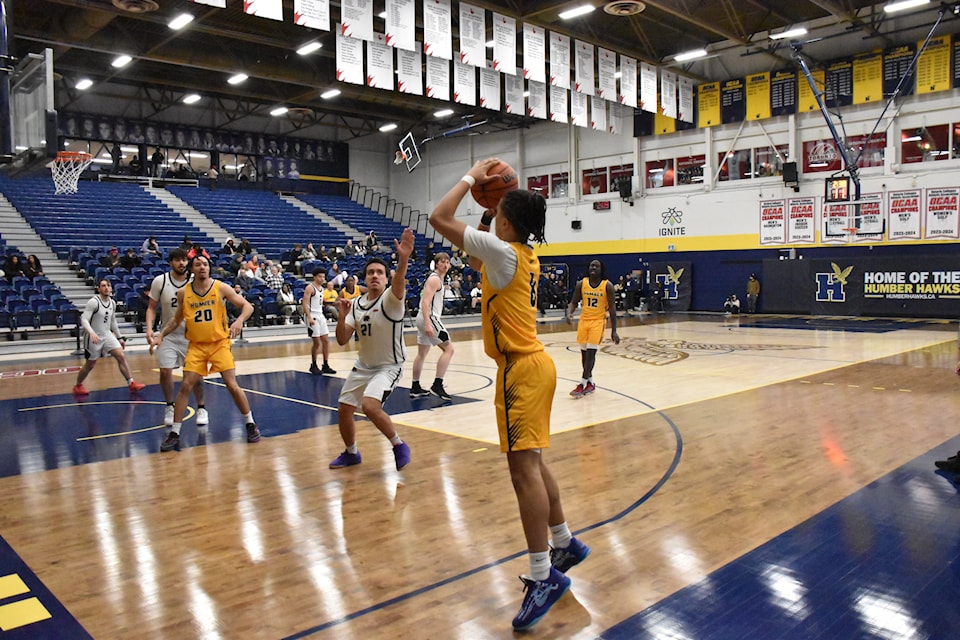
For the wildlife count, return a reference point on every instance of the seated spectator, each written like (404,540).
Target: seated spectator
(136,166)
(12,268)
(372,243)
(112,259)
(322,253)
(296,258)
(129,260)
(351,249)
(187,243)
(253,266)
(330,296)
(233,312)
(32,267)
(229,247)
(244,248)
(274,280)
(456,261)
(452,299)
(476,296)
(234,267)
(150,247)
(287,303)
(732,305)
(336,253)
(309,253)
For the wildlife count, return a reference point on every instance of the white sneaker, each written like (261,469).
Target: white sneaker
(202,417)
(168,415)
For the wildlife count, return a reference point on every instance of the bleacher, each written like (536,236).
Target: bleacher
(31,303)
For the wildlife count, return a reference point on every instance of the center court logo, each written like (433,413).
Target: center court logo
(831,286)
(666,351)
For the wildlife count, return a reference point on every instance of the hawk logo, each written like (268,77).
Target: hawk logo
(830,286)
(671,283)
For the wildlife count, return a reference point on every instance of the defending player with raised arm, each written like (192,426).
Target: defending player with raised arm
(200,305)
(526,375)
(598,298)
(163,294)
(99,322)
(377,318)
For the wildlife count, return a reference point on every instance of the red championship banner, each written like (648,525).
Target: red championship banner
(943,213)
(903,216)
(801,220)
(773,222)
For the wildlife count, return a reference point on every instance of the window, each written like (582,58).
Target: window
(738,165)
(659,173)
(559,185)
(539,184)
(768,163)
(690,169)
(925,144)
(594,181)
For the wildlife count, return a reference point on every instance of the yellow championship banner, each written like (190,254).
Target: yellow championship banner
(933,67)
(868,78)
(758,96)
(708,107)
(807,101)
(663,124)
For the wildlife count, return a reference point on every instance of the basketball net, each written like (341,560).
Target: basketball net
(66,169)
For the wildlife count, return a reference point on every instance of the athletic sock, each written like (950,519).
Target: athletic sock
(395,440)
(248,418)
(540,565)
(175,428)
(353,449)
(561,535)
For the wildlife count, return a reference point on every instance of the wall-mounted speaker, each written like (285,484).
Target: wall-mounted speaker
(790,172)
(576,225)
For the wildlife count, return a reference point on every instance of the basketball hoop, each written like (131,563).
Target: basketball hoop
(66,169)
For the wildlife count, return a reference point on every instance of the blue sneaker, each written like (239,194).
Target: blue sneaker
(345,459)
(539,597)
(401,453)
(570,556)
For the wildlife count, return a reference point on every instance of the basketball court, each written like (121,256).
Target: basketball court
(770,472)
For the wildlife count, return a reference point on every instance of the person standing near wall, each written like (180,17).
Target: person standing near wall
(753,293)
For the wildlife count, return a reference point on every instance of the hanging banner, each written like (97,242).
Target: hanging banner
(356,19)
(438,78)
(607,74)
(904,215)
(758,96)
(943,213)
(870,219)
(668,94)
(598,113)
(628,83)
(314,14)
(709,115)
(534,53)
(270,9)
(513,95)
(685,105)
(773,222)
(648,88)
(437,39)
(838,84)
(733,101)
(409,72)
(933,67)
(578,108)
(473,39)
(558,104)
(783,93)
(806,100)
(490,88)
(559,60)
(537,100)
(464,83)
(868,78)
(504,44)
(896,64)
(801,220)
(401,24)
(379,63)
(836,222)
(584,73)
(349,58)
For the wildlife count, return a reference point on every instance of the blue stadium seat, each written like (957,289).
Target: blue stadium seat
(25,319)
(49,316)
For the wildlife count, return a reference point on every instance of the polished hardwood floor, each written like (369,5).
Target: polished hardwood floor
(707,438)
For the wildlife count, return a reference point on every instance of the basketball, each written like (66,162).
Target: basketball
(488,195)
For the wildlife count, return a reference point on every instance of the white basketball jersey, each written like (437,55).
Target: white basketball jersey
(316,301)
(164,290)
(99,315)
(436,305)
(381,334)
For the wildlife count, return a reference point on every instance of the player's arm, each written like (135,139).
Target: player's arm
(87,316)
(114,327)
(344,329)
(151,318)
(612,307)
(403,248)
(574,301)
(305,303)
(443,218)
(237,300)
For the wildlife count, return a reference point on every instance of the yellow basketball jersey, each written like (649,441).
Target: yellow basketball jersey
(594,300)
(350,296)
(205,316)
(510,314)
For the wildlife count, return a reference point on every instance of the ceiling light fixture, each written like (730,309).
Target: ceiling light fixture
(443,113)
(180,21)
(912,139)
(332,93)
(792,33)
(190,99)
(121,61)
(388,127)
(690,55)
(382,14)
(84,84)
(238,78)
(489,44)
(904,5)
(577,12)
(279,111)
(309,48)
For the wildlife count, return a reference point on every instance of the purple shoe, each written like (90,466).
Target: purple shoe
(345,459)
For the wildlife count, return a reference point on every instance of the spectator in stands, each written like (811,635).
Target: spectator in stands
(213,175)
(112,259)
(428,254)
(351,249)
(157,161)
(296,257)
(476,295)
(187,243)
(309,253)
(32,267)
(234,267)
(456,262)
(333,270)
(732,305)
(287,303)
(136,166)
(130,260)
(340,279)
(229,248)
(336,253)
(273,279)
(12,268)
(244,248)
(330,296)
(150,247)
(373,244)
(452,298)
(233,311)
(322,253)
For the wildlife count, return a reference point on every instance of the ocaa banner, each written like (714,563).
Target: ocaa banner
(924,286)
(676,278)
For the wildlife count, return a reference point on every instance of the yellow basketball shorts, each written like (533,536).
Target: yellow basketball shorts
(591,331)
(209,357)
(524,397)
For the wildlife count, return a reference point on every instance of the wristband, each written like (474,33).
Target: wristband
(470,180)
(485,220)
